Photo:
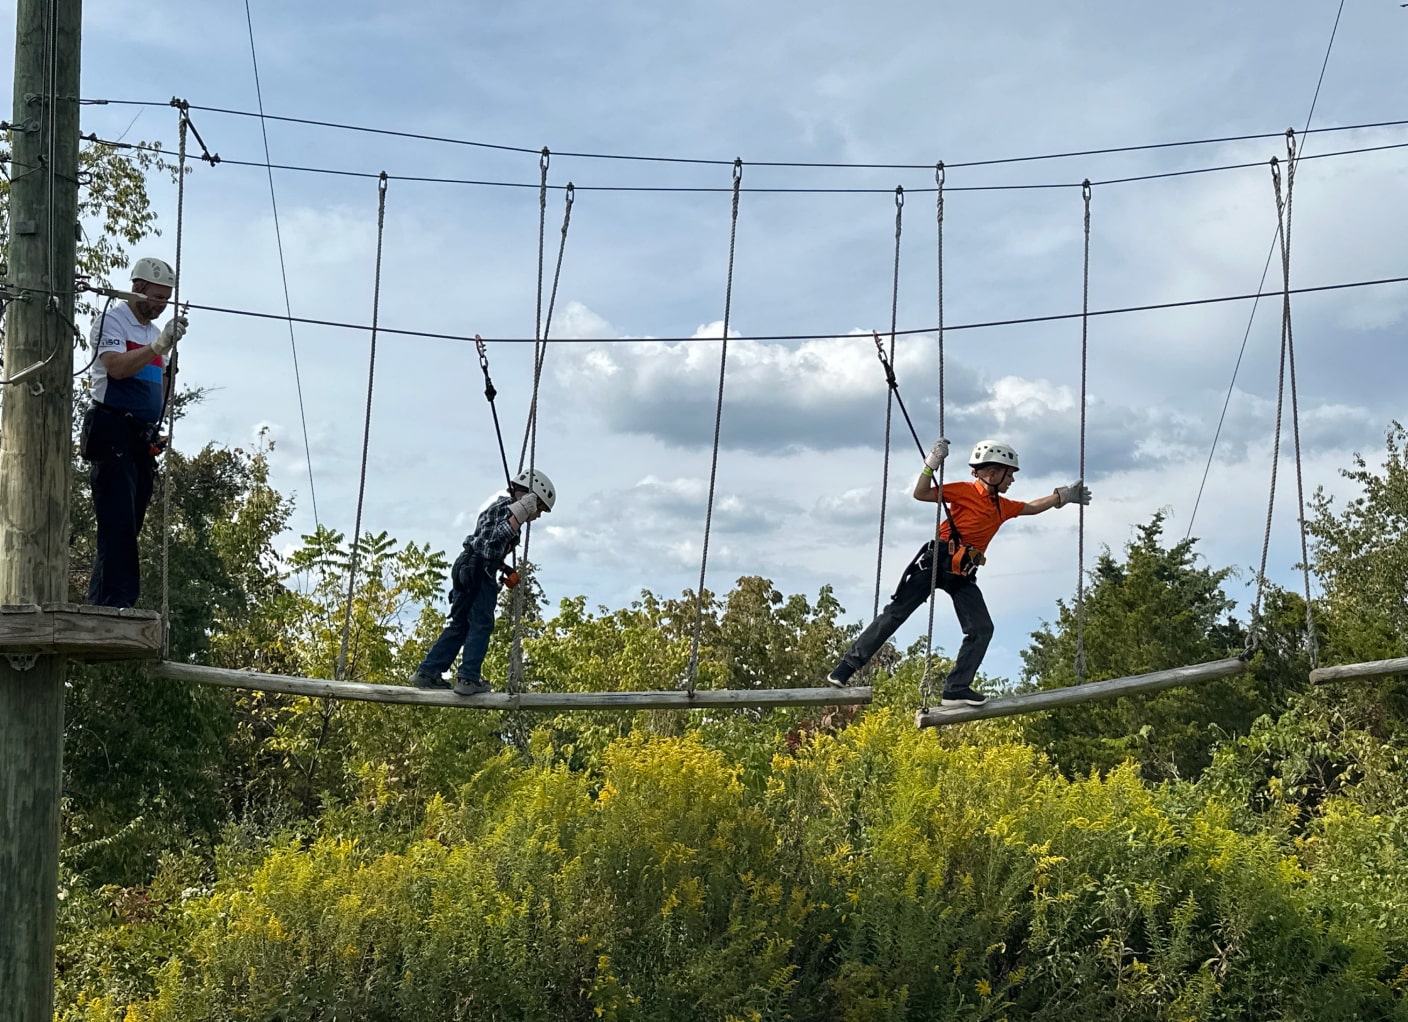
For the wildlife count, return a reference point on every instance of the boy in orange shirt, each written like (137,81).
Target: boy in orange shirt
(976,510)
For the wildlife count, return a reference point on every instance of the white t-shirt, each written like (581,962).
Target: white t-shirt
(140,394)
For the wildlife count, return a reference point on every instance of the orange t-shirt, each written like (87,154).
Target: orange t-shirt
(977,514)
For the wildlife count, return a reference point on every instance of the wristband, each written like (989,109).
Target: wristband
(926,471)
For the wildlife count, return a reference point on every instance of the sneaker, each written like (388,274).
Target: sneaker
(471,686)
(839,678)
(963,697)
(425,681)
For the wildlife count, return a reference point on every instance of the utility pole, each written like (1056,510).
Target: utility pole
(35,455)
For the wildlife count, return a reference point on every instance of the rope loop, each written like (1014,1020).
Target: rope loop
(939,173)
(544,158)
(899,196)
(570,192)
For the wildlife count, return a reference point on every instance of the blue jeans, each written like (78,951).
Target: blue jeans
(913,590)
(473,601)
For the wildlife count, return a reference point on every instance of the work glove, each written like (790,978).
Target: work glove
(170,334)
(525,509)
(936,455)
(1075,493)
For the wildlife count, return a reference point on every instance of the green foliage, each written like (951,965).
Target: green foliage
(155,752)
(1155,610)
(878,874)
(1361,557)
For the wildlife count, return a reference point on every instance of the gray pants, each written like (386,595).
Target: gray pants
(913,590)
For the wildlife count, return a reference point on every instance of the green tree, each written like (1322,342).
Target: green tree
(146,759)
(1156,609)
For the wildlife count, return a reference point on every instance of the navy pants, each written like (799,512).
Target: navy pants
(474,597)
(123,473)
(913,590)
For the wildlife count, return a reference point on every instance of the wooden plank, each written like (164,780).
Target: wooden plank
(1096,691)
(1368,669)
(364,692)
(80,632)
(24,624)
(107,633)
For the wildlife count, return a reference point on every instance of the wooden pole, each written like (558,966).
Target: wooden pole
(670,699)
(35,454)
(1368,669)
(1096,691)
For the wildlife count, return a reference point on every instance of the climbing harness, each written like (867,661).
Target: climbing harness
(692,672)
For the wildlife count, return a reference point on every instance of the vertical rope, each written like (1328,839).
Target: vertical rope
(283,266)
(926,683)
(692,674)
(530,439)
(889,402)
(1288,340)
(1084,361)
(366,430)
(530,433)
(171,394)
(1254,624)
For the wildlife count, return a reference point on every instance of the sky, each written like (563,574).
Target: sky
(626,419)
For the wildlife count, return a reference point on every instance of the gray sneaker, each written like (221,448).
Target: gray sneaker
(472,687)
(963,697)
(838,679)
(425,681)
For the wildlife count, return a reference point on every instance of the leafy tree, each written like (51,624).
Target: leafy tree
(1360,555)
(1157,609)
(1342,740)
(146,759)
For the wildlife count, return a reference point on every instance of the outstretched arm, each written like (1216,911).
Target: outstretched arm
(1076,493)
(1036,507)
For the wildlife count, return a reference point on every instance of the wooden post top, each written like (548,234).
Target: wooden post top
(79,631)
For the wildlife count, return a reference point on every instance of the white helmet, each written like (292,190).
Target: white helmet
(154,271)
(993,452)
(538,483)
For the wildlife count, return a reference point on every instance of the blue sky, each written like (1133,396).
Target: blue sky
(626,427)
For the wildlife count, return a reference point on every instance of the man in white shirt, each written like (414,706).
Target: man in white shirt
(120,431)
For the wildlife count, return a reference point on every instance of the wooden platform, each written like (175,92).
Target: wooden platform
(80,632)
(1368,669)
(1114,688)
(369,693)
